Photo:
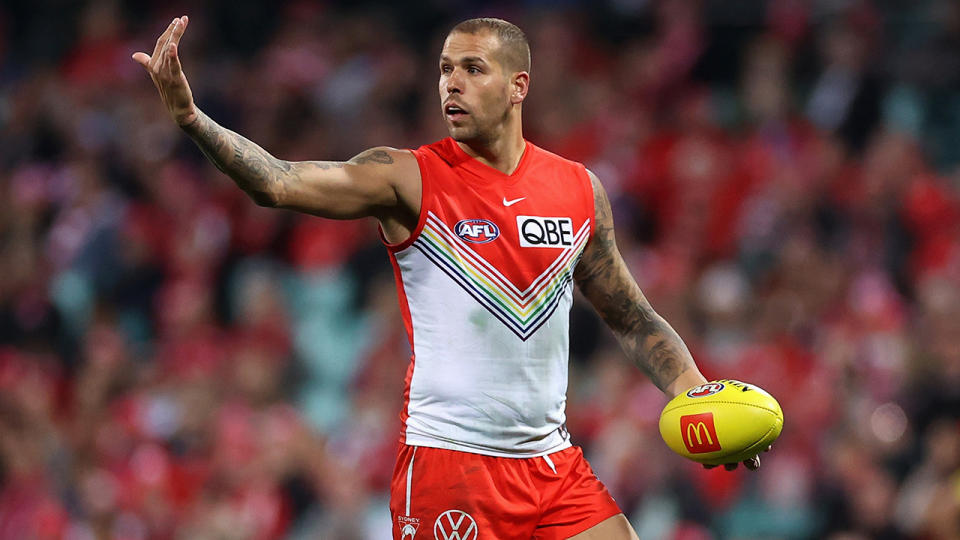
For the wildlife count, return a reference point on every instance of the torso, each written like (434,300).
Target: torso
(485,287)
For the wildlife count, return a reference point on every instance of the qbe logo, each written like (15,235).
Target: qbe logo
(455,525)
(551,232)
(477,231)
(699,433)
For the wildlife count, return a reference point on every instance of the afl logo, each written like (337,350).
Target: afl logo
(705,390)
(477,231)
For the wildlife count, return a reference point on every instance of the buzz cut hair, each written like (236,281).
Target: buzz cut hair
(514,48)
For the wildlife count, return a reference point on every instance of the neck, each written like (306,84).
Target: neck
(503,152)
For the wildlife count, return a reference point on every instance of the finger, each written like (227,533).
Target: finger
(752,463)
(174,60)
(165,52)
(179,29)
(162,40)
(730,466)
(142,58)
(769,448)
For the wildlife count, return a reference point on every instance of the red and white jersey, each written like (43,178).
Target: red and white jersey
(485,287)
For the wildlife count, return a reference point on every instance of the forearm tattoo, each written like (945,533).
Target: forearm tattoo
(257,172)
(264,177)
(647,339)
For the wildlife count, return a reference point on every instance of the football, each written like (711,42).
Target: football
(723,421)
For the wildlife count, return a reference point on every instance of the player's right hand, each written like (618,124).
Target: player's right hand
(164,68)
(750,463)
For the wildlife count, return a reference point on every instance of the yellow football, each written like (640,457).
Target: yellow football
(723,421)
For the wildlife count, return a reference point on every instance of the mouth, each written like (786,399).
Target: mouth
(454,112)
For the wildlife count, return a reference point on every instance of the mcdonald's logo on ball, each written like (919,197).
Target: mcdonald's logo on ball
(699,433)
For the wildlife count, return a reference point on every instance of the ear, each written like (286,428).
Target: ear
(519,86)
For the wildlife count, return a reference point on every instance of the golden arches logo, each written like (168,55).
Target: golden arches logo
(699,433)
(697,429)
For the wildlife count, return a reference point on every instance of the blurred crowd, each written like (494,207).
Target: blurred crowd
(176,362)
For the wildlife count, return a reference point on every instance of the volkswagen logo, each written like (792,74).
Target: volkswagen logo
(455,525)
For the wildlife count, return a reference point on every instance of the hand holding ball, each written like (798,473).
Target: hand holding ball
(721,422)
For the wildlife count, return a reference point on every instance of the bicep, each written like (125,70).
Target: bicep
(370,184)
(603,276)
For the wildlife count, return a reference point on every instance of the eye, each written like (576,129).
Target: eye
(473,70)
(446,68)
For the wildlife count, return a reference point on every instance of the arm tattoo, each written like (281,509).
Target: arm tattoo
(264,177)
(366,157)
(326,165)
(647,339)
(253,169)
(373,156)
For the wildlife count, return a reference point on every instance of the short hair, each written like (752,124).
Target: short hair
(514,48)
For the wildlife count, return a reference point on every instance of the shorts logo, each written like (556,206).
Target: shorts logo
(408,527)
(705,390)
(455,525)
(699,433)
(477,231)
(550,232)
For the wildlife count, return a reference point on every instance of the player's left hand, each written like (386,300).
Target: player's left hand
(752,463)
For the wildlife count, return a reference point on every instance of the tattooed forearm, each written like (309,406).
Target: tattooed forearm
(647,339)
(268,180)
(257,172)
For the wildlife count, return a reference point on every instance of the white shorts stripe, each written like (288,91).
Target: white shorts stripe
(549,462)
(410,478)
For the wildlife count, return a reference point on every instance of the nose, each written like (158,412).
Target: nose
(454,83)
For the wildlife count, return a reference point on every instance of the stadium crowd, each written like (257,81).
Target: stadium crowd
(176,362)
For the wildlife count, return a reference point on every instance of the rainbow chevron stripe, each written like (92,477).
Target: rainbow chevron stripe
(523,312)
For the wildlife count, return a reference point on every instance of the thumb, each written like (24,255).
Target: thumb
(141,58)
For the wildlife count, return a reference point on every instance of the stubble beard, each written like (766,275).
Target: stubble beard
(474,133)
(467,134)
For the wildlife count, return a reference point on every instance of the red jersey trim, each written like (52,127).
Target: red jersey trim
(591,200)
(408,324)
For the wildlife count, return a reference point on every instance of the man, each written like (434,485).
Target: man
(485,233)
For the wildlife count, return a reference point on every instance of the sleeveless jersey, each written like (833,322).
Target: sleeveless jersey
(485,287)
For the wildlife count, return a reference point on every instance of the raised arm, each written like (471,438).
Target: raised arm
(380,182)
(647,339)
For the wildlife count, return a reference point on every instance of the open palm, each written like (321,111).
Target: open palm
(165,70)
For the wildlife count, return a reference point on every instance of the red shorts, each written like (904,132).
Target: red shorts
(445,495)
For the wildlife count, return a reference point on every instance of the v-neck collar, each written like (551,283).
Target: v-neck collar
(484,171)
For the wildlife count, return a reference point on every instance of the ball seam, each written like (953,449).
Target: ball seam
(722,402)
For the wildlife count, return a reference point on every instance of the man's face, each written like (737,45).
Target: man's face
(474,87)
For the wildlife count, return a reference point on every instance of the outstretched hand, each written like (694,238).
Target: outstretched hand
(164,68)
(751,463)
